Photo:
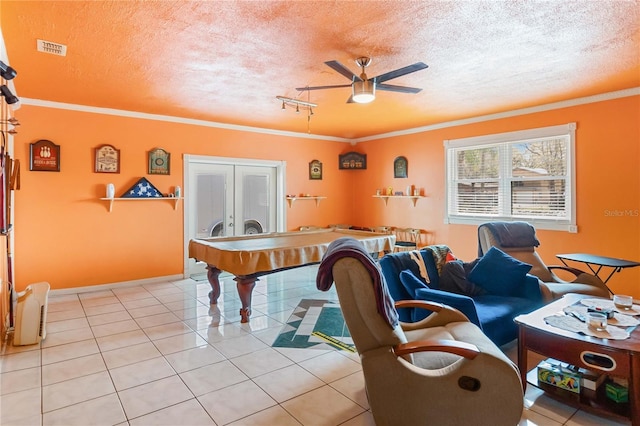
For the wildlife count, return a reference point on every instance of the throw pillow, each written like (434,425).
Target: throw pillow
(411,282)
(454,279)
(499,273)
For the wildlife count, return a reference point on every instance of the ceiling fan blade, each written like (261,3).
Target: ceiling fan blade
(322,87)
(400,72)
(400,89)
(337,66)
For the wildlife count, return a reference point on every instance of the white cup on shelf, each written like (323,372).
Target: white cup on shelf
(111,190)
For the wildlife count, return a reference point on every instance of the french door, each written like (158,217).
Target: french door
(231,197)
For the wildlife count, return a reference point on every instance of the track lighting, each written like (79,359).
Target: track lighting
(6,71)
(305,105)
(295,102)
(8,96)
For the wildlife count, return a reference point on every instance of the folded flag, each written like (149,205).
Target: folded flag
(142,189)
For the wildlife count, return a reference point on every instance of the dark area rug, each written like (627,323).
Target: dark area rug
(316,324)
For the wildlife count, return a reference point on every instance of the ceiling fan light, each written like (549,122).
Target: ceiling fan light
(363,92)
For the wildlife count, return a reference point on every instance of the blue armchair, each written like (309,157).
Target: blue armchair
(495,295)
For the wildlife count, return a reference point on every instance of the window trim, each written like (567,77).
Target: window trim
(569,129)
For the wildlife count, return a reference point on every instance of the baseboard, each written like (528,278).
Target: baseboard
(101,287)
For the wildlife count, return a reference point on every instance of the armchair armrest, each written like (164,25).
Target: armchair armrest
(443,314)
(423,304)
(466,350)
(460,302)
(574,271)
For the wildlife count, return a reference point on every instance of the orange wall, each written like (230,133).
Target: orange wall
(64,234)
(607,171)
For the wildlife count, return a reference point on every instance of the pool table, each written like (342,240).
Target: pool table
(250,256)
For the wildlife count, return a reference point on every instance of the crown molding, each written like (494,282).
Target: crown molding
(171,119)
(635,91)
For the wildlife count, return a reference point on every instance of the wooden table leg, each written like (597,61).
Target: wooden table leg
(522,357)
(245,287)
(212,275)
(634,389)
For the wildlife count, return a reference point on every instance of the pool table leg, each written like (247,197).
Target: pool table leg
(212,275)
(245,287)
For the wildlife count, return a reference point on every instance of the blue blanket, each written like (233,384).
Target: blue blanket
(413,261)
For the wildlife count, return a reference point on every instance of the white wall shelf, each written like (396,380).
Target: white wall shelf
(176,200)
(413,198)
(317,199)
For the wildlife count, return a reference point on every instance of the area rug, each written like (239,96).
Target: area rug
(315,324)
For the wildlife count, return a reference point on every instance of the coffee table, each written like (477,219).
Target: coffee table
(622,357)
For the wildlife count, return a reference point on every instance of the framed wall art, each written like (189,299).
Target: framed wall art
(44,156)
(107,159)
(400,167)
(315,170)
(352,161)
(159,162)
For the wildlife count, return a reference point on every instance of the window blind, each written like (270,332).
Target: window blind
(525,175)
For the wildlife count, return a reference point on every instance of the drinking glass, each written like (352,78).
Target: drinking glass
(597,321)
(623,302)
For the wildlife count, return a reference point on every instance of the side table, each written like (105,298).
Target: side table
(615,358)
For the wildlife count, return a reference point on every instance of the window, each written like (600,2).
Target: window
(527,175)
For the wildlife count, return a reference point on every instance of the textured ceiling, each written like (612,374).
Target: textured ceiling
(226,61)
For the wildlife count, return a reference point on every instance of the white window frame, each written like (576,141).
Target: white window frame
(566,224)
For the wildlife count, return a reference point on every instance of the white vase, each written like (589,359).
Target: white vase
(111,190)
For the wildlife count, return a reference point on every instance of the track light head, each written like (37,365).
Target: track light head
(6,71)
(8,96)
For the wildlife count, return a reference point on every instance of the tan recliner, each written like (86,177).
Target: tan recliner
(440,371)
(518,239)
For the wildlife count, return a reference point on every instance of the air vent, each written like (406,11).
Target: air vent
(51,47)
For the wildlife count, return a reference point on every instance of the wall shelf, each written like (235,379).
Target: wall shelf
(176,200)
(413,198)
(291,200)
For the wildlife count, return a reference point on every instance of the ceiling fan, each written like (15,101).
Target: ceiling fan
(363,89)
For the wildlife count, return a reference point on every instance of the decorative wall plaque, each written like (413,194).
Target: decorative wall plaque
(400,167)
(315,170)
(107,159)
(159,162)
(352,161)
(44,156)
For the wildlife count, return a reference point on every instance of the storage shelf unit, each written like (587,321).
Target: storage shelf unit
(597,403)
(176,200)
(291,200)
(413,198)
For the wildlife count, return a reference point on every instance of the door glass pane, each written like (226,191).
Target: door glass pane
(210,205)
(255,203)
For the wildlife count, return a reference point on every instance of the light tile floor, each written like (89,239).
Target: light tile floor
(160,355)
